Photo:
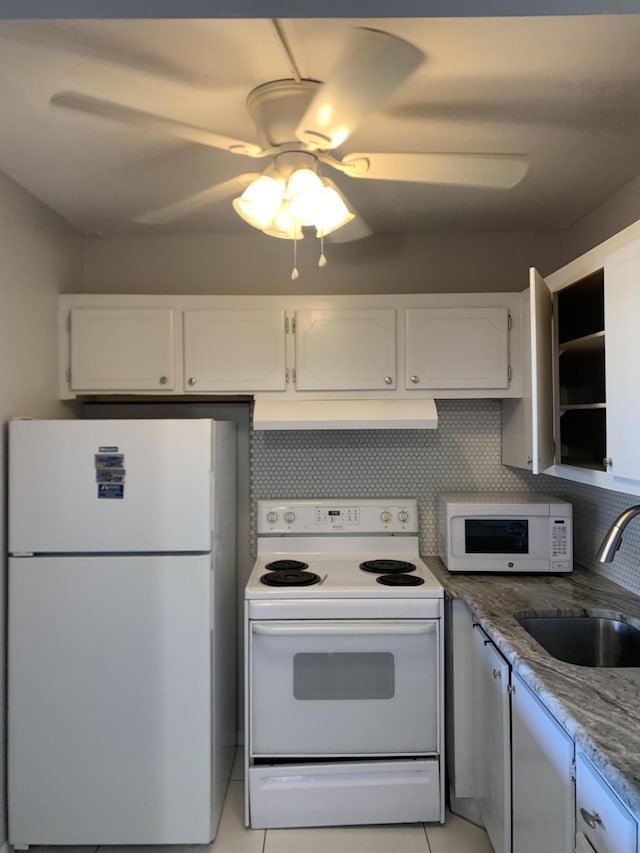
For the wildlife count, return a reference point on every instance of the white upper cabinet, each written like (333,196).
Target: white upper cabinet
(622,311)
(378,346)
(121,349)
(579,413)
(235,350)
(457,348)
(527,423)
(345,349)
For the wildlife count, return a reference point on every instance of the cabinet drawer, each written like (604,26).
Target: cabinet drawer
(603,819)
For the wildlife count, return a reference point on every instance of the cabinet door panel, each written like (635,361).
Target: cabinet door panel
(242,351)
(122,349)
(457,348)
(346,350)
(622,309)
(541,374)
(492,755)
(543,789)
(600,815)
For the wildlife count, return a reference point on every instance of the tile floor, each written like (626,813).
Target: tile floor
(456,836)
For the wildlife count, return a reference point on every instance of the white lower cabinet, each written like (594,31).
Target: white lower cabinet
(543,793)
(512,765)
(603,822)
(492,749)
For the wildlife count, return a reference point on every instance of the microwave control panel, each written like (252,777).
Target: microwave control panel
(559,538)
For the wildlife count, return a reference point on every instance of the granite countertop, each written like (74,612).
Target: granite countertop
(598,707)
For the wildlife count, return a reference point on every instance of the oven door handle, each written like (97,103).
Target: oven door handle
(310,629)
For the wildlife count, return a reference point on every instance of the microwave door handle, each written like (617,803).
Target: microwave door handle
(309,629)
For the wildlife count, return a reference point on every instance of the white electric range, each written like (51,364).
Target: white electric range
(343,667)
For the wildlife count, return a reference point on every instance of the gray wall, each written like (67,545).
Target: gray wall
(41,255)
(394,263)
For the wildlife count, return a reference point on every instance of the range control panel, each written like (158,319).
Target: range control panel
(338,516)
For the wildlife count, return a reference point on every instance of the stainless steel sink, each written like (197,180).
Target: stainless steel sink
(585,640)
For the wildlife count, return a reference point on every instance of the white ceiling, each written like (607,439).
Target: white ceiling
(564,90)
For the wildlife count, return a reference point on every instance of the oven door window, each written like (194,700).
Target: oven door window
(339,687)
(331,676)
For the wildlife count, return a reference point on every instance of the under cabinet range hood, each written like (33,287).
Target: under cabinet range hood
(271,414)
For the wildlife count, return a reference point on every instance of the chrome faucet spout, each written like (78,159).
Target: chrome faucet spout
(613,537)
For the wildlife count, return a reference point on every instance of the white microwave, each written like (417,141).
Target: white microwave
(520,532)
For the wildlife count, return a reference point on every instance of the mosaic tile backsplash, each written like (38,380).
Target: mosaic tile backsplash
(462,454)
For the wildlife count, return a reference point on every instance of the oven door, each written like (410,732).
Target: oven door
(341,688)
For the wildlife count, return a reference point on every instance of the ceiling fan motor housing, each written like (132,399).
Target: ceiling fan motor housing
(277,108)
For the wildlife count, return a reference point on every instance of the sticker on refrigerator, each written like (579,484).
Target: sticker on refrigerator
(109,460)
(110,491)
(110,475)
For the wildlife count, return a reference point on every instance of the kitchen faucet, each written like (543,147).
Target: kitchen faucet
(613,538)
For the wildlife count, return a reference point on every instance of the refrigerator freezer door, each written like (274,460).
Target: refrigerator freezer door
(110,700)
(110,486)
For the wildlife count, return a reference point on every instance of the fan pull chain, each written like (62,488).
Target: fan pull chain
(322,261)
(294,271)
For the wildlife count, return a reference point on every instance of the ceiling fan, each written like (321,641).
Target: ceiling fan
(298,123)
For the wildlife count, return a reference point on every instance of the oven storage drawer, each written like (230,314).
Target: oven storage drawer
(344,687)
(344,793)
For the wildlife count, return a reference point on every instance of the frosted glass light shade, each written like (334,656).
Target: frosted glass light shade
(332,212)
(259,203)
(304,192)
(284,226)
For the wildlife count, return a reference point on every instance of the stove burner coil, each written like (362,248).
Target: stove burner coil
(387,567)
(400,580)
(290,578)
(286,566)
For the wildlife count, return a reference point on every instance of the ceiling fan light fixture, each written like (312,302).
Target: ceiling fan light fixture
(259,203)
(304,192)
(332,212)
(283,226)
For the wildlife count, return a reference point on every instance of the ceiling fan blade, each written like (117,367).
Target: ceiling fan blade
(194,203)
(492,171)
(375,64)
(118,112)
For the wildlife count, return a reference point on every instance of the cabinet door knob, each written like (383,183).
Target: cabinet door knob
(191,380)
(388,380)
(607,462)
(415,379)
(592,820)
(163,380)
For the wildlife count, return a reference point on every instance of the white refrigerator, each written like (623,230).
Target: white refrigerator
(121,693)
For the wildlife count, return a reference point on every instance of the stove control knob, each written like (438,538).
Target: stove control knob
(289,517)
(403,516)
(385,516)
(272,517)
